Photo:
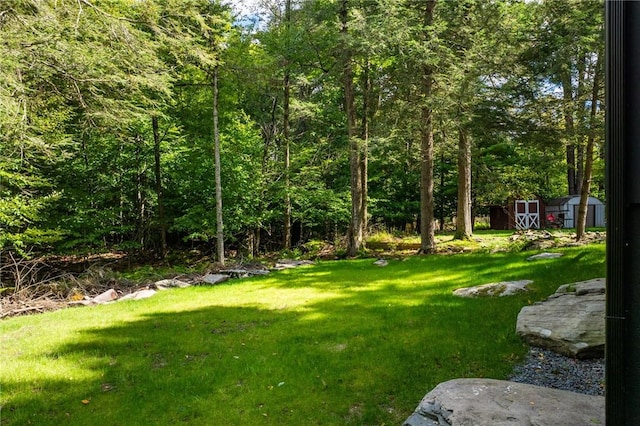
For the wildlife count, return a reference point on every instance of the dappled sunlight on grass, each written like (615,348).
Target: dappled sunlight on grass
(334,343)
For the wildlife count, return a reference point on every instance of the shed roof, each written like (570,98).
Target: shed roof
(564,200)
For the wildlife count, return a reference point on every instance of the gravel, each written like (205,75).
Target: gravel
(543,367)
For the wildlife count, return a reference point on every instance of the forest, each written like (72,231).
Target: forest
(154,125)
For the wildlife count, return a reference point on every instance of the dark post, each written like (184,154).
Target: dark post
(622,19)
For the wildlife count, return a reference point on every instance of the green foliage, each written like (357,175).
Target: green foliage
(81,81)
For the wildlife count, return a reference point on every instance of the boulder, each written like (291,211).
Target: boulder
(381,262)
(170,283)
(214,278)
(471,402)
(504,288)
(140,294)
(105,297)
(570,322)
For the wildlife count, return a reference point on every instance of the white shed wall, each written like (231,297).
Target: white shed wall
(569,210)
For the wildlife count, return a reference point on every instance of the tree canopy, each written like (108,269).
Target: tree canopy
(334,117)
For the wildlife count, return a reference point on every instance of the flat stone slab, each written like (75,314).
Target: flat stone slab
(244,273)
(171,283)
(595,286)
(570,322)
(214,278)
(140,294)
(476,402)
(289,264)
(545,256)
(504,288)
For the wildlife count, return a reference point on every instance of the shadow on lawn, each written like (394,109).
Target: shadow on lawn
(219,365)
(462,270)
(366,356)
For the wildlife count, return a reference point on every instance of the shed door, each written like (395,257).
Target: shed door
(591,216)
(527,214)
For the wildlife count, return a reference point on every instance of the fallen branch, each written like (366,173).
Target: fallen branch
(23,310)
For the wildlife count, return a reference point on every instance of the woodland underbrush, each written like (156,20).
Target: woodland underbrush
(36,284)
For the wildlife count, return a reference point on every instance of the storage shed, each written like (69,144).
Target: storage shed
(565,209)
(518,214)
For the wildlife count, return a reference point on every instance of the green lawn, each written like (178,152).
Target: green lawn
(342,342)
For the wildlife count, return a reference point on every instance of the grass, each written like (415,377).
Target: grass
(335,343)
(482,240)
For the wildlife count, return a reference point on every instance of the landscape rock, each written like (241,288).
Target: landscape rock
(504,288)
(105,297)
(470,402)
(214,278)
(170,283)
(545,256)
(534,239)
(570,322)
(290,263)
(595,286)
(140,294)
(244,273)
(381,262)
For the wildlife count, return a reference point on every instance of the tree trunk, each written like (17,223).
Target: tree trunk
(253,241)
(216,148)
(464,229)
(582,120)
(441,182)
(355,236)
(588,166)
(580,148)
(269,131)
(569,129)
(161,218)
(285,135)
(427,229)
(364,146)
(141,202)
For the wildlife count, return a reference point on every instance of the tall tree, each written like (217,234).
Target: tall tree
(159,189)
(83,71)
(427,223)
(593,132)
(355,235)
(463,213)
(286,129)
(367,113)
(565,35)
(218,168)
(473,51)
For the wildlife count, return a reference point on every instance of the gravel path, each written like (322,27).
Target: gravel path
(543,367)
